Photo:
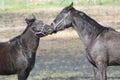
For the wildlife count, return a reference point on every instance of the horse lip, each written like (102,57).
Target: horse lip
(40,34)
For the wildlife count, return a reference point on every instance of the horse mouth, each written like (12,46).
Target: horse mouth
(40,34)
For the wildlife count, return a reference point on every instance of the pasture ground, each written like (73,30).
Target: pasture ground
(60,56)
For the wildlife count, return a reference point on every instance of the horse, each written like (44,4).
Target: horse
(17,56)
(101,44)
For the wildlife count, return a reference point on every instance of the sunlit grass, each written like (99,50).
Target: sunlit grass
(20,5)
(52,75)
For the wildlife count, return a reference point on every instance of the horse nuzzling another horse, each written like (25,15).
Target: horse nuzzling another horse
(102,44)
(17,56)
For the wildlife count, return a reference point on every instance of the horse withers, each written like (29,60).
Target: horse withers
(102,44)
(17,56)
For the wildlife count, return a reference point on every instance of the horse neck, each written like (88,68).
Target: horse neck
(87,29)
(29,40)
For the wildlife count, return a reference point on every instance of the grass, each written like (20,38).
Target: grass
(20,5)
(108,2)
(99,2)
(48,75)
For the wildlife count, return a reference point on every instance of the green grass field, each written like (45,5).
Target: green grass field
(20,5)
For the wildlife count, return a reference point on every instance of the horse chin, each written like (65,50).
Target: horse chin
(55,31)
(40,35)
(59,28)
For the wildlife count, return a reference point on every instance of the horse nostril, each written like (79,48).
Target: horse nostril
(45,32)
(51,24)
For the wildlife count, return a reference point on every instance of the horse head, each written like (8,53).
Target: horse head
(38,27)
(63,19)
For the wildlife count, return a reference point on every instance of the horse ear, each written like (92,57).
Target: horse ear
(71,5)
(29,21)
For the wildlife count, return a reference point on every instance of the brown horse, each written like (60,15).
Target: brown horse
(102,44)
(17,56)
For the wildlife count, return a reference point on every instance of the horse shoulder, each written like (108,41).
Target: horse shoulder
(98,49)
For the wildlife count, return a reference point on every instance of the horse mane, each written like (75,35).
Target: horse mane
(95,23)
(25,30)
(91,21)
(17,37)
(95,29)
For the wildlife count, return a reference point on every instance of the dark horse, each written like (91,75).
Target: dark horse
(17,56)
(102,44)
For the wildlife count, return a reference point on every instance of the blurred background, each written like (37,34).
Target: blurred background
(60,56)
